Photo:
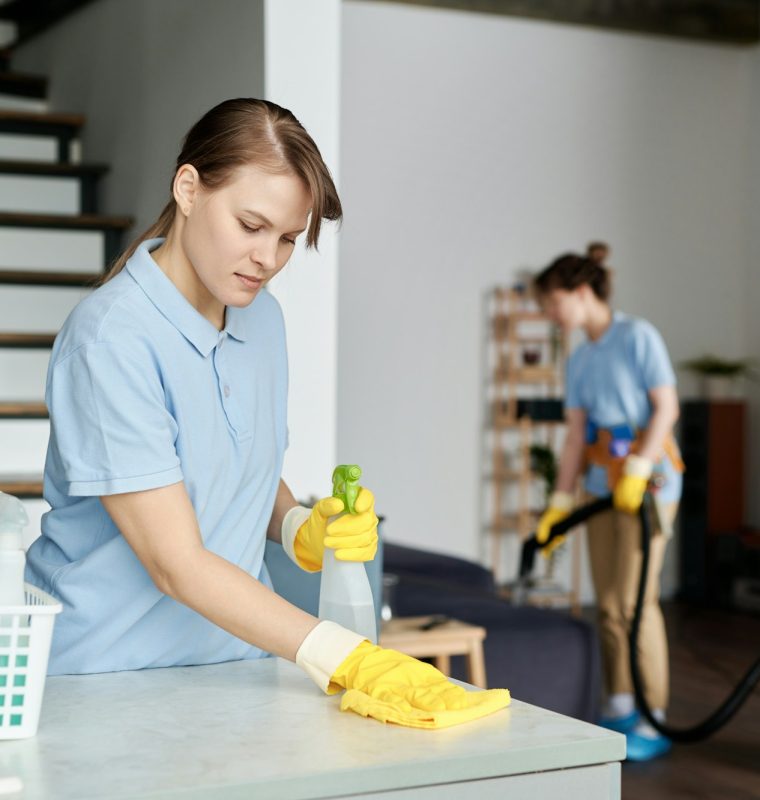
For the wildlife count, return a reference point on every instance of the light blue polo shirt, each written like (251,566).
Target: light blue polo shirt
(610,379)
(143,391)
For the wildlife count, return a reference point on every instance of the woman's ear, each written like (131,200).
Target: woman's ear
(187,182)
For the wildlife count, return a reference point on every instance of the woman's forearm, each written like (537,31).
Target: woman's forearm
(234,600)
(570,463)
(659,428)
(665,413)
(283,502)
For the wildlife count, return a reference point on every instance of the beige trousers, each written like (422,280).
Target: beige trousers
(614,550)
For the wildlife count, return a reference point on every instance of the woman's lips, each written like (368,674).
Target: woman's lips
(249,283)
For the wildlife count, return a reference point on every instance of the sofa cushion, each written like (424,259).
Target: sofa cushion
(401,560)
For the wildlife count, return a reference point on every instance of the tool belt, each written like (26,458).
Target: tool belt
(609,447)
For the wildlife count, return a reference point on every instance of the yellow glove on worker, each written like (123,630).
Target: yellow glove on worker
(306,532)
(387,685)
(628,494)
(560,506)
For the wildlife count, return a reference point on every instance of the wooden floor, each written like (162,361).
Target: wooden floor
(709,652)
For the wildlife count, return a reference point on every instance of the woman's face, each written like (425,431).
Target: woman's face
(565,307)
(241,235)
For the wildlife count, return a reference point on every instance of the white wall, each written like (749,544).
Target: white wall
(475,145)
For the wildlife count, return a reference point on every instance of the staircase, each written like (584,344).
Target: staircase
(53,246)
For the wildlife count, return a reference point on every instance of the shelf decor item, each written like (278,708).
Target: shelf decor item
(721,379)
(543,463)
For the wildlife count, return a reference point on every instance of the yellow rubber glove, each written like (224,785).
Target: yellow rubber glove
(560,506)
(629,491)
(390,686)
(306,532)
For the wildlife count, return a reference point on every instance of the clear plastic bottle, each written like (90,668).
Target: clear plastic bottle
(13,519)
(345,595)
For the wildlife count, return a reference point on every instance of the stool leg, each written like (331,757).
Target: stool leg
(443,663)
(476,668)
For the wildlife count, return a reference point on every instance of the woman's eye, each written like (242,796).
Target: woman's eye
(247,228)
(289,241)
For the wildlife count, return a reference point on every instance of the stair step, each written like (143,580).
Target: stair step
(104,231)
(39,124)
(23,85)
(31,19)
(52,170)
(23,410)
(38,278)
(29,341)
(25,487)
(63,128)
(99,222)
(34,187)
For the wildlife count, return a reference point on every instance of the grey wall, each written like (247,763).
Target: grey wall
(475,145)
(143,72)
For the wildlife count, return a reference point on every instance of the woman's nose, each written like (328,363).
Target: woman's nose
(265,255)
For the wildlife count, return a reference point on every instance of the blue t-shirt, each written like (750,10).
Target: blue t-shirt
(143,391)
(610,379)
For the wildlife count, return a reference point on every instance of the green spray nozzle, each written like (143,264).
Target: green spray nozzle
(346,485)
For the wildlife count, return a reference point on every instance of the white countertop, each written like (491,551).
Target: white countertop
(262,729)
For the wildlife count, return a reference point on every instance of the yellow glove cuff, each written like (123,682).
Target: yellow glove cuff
(291,522)
(638,467)
(324,649)
(562,501)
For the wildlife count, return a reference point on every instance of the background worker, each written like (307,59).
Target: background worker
(621,405)
(167,393)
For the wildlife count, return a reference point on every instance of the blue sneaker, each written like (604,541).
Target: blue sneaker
(620,724)
(645,748)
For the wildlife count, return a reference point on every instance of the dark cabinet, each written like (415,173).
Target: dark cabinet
(712,438)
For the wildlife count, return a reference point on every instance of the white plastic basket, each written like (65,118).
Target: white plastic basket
(25,634)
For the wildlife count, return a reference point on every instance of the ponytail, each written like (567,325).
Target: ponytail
(160,228)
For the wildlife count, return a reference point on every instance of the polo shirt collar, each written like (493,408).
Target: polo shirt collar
(168,299)
(234,322)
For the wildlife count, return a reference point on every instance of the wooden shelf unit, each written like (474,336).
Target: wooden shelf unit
(526,355)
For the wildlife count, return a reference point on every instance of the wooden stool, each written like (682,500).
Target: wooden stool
(446,639)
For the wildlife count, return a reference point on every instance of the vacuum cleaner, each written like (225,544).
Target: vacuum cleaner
(691,734)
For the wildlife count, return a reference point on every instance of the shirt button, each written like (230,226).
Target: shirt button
(226,391)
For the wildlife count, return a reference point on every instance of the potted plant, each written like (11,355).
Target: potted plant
(543,463)
(720,377)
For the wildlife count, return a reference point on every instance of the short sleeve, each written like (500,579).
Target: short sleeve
(651,357)
(109,424)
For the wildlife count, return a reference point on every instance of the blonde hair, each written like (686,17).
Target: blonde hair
(248,131)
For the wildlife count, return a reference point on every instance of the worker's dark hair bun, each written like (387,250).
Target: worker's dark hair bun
(570,271)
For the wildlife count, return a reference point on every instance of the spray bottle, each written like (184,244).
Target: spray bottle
(13,520)
(345,595)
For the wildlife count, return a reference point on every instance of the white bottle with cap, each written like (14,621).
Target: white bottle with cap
(13,520)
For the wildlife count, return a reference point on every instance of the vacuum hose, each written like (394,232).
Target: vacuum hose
(732,703)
